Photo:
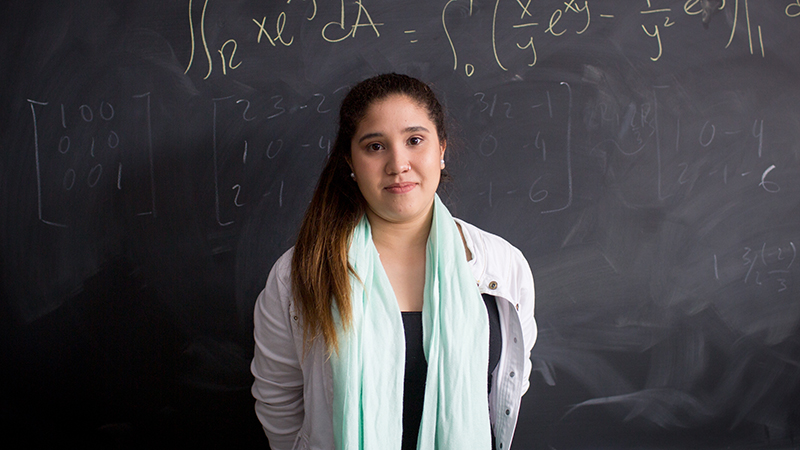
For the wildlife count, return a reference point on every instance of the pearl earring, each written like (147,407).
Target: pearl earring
(352,175)
(442,163)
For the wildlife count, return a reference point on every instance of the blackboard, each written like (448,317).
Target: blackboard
(156,158)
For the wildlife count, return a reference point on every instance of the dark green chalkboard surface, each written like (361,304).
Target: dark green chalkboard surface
(156,157)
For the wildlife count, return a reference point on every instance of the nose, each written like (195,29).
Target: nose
(398,161)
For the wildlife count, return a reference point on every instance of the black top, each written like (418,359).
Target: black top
(417,367)
(414,381)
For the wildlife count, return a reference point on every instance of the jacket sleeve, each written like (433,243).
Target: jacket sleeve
(527,299)
(278,385)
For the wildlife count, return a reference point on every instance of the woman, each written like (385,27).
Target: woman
(372,333)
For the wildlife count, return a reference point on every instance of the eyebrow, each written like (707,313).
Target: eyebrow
(405,130)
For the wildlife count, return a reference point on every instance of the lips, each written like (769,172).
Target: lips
(400,188)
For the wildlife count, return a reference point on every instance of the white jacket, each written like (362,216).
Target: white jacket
(294,394)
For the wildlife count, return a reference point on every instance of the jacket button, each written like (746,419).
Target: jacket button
(511,374)
(295,318)
(493,285)
(508,412)
(515,340)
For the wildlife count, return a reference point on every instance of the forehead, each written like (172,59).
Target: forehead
(393,109)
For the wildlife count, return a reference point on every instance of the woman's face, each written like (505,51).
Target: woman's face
(396,158)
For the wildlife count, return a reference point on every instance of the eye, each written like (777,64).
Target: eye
(416,140)
(374,146)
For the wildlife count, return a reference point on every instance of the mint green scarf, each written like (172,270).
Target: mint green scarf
(368,370)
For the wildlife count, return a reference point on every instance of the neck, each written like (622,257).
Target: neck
(400,237)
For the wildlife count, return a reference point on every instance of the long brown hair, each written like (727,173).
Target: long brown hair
(320,269)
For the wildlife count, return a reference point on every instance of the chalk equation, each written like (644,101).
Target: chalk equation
(576,18)
(79,149)
(516,26)
(769,266)
(538,117)
(249,135)
(653,155)
(272,31)
(729,150)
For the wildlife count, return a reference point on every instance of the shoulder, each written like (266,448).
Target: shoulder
(495,259)
(282,268)
(484,244)
(279,282)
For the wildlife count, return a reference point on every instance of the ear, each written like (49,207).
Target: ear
(442,148)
